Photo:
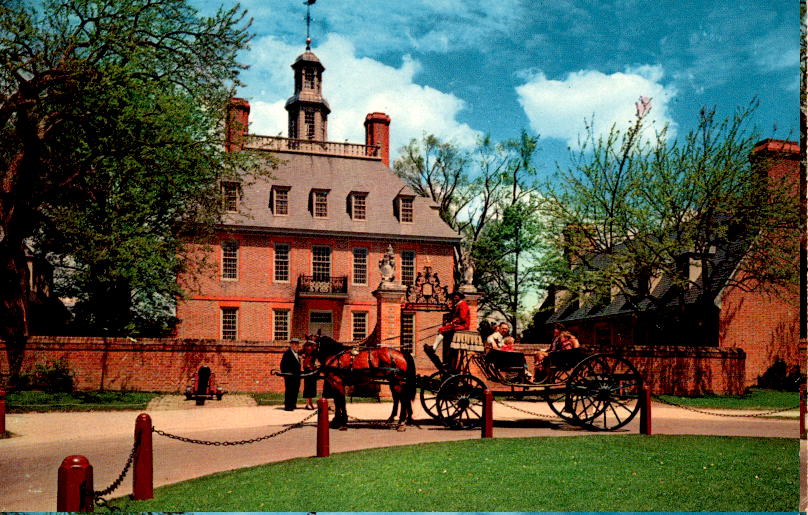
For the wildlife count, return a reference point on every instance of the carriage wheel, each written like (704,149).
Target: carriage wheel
(555,399)
(429,394)
(460,401)
(603,392)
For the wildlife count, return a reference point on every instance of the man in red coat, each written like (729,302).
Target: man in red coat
(460,321)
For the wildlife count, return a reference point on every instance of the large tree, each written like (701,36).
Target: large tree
(488,195)
(637,206)
(111,151)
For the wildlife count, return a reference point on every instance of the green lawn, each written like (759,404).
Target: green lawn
(36,401)
(587,473)
(754,398)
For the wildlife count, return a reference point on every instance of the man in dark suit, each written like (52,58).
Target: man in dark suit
(290,366)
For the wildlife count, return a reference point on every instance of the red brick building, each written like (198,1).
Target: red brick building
(299,252)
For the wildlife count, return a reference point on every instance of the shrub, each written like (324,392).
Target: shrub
(780,376)
(52,376)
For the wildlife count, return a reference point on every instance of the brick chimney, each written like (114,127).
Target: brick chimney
(780,159)
(377,132)
(238,120)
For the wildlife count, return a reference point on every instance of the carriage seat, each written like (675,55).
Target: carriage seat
(567,359)
(467,340)
(506,360)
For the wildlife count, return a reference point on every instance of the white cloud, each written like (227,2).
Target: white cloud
(561,108)
(354,86)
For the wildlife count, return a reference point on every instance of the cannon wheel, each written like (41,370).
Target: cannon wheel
(460,401)
(603,392)
(429,394)
(555,399)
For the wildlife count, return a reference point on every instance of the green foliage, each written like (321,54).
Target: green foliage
(636,207)
(651,473)
(52,376)
(111,130)
(37,401)
(753,399)
(488,196)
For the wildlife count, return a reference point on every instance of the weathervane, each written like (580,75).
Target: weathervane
(308,4)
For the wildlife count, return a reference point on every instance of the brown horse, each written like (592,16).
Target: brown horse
(343,366)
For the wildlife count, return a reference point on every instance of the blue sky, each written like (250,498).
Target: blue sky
(460,69)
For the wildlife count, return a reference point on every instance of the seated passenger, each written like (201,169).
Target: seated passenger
(495,339)
(507,344)
(562,340)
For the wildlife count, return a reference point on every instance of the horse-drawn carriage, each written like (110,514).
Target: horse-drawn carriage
(595,391)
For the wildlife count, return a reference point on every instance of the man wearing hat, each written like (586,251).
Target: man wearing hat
(290,367)
(460,321)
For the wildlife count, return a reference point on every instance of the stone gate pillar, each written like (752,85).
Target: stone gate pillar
(389,297)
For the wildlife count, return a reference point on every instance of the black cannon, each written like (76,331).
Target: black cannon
(203,386)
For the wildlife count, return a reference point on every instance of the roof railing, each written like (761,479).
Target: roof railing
(308,146)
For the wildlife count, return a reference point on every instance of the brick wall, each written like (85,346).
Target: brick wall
(163,365)
(765,326)
(166,365)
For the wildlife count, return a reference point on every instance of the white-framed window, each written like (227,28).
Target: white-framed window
(359,207)
(280,324)
(321,262)
(406,209)
(229,323)
(360,265)
(320,203)
(281,268)
(407,331)
(280,201)
(229,260)
(230,196)
(407,267)
(359,325)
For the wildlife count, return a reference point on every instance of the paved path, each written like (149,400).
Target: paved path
(29,461)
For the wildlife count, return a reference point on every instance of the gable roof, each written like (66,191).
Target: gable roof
(723,263)
(339,175)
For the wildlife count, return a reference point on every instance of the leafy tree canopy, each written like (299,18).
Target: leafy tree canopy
(111,117)
(632,210)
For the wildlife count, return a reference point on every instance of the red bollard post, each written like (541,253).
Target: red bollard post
(802,412)
(2,412)
(488,414)
(143,463)
(322,428)
(645,411)
(75,485)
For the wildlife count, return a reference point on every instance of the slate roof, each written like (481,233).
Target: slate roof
(340,175)
(724,263)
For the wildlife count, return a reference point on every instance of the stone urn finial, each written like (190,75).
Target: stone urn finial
(387,266)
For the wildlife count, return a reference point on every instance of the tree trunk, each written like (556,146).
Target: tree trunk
(14,295)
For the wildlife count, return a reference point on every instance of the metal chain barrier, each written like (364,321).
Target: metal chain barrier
(511,406)
(697,410)
(235,442)
(98,495)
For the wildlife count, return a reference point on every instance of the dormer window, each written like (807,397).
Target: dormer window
(405,209)
(358,206)
(279,200)
(230,196)
(319,203)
